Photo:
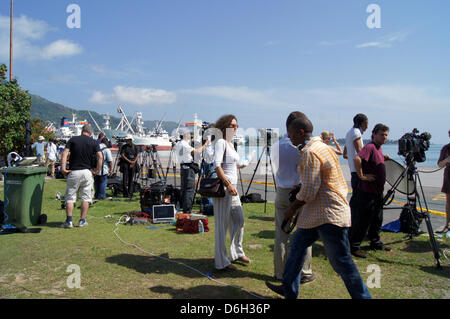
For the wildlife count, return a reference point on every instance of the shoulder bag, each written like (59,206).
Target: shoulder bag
(212,187)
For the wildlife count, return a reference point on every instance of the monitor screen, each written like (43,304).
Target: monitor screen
(163,211)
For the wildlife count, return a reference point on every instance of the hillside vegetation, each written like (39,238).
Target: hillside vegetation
(53,112)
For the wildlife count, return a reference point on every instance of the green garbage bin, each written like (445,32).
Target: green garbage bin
(23,190)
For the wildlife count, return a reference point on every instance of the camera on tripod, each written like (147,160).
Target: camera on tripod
(151,148)
(413,146)
(266,134)
(120,139)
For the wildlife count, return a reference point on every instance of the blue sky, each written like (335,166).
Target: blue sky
(259,60)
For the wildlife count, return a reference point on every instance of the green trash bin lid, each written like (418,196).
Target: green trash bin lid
(24,170)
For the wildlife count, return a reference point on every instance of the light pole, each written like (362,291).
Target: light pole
(11,44)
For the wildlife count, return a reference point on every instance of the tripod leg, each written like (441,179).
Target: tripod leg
(433,241)
(265,184)
(242,183)
(254,172)
(273,175)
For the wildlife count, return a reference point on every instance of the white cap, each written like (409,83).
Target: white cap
(129,137)
(41,138)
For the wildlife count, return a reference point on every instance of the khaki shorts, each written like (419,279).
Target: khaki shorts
(81,181)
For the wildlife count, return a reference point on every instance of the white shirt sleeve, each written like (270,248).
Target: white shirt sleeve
(356,133)
(219,150)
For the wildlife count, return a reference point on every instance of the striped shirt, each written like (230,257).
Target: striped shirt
(324,189)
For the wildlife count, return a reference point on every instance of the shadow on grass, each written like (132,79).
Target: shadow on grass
(204,292)
(418,246)
(190,268)
(444,272)
(266,234)
(263,218)
(55,224)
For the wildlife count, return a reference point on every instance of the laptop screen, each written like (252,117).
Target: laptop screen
(163,211)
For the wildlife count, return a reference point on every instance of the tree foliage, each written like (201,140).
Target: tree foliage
(15,105)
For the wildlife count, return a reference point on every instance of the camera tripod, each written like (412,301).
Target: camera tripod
(151,163)
(413,198)
(173,162)
(117,159)
(265,150)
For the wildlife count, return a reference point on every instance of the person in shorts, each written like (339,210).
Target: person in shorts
(84,152)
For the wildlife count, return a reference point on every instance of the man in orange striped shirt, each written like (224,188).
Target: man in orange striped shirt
(325,214)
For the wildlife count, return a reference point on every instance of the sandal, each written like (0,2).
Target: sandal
(446,229)
(244,259)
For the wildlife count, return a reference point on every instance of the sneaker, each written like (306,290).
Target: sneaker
(66,225)
(359,253)
(82,224)
(306,279)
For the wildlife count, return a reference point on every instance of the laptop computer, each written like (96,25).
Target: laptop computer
(163,214)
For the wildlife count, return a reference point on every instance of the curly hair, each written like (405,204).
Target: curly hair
(224,122)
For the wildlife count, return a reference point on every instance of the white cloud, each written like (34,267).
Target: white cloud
(374,44)
(28,35)
(144,96)
(386,41)
(61,48)
(134,96)
(100,98)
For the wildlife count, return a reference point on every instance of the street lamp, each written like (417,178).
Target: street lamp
(11,44)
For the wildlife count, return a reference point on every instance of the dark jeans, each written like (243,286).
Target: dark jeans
(367,218)
(187,188)
(335,240)
(354,181)
(128,181)
(100,186)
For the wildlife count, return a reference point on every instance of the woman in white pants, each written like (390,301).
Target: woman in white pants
(228,211)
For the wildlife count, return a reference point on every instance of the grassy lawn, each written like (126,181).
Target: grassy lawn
(169,264)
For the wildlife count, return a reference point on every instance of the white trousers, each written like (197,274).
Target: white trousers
(281,246)
(228,216)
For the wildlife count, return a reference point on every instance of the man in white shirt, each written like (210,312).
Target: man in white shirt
(13,158)
(286,159)
(188,169)
(52,155)
(353,144)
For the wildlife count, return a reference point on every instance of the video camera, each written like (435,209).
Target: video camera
(266,135)
(119,139)
(413,146)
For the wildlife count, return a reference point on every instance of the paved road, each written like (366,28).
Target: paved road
(431,186)
(434,198)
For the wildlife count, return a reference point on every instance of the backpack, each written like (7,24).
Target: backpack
(409,224)
(206,206)
(252,198)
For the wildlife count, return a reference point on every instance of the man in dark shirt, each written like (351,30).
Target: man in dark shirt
(368,215)
(83,152)
(129,158)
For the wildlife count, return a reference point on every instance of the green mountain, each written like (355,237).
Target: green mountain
(53,112)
